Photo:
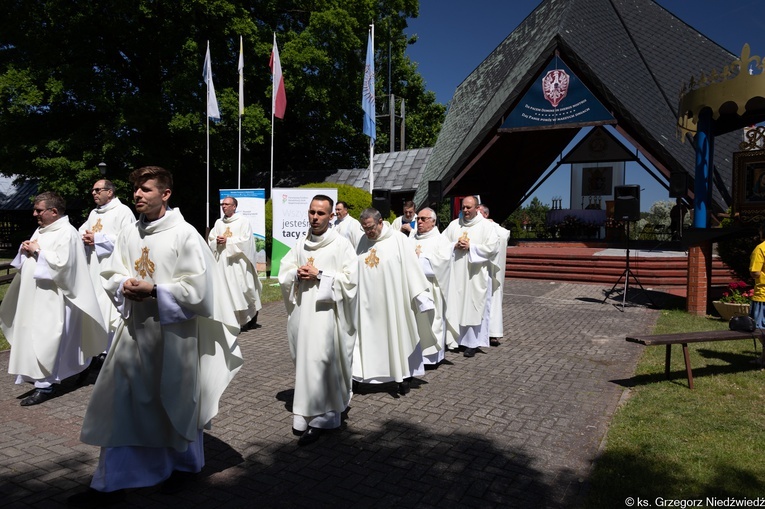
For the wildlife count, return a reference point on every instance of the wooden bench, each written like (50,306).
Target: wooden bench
(8,276)
(683,338)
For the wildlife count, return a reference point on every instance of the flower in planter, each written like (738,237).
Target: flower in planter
(737,293)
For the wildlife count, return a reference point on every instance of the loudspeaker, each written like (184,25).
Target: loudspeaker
(678,185)
(381,201)
(627,203)
(434,192)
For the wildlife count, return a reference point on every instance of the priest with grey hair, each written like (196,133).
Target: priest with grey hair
(434,253)
(392,291)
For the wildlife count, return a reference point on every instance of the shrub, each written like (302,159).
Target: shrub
(735,251)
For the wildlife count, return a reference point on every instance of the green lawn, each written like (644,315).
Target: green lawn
(674,443)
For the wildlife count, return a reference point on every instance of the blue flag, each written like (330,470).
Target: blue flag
(368,93)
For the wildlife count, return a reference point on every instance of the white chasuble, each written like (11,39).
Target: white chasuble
(321,322)
(50,314)
(106,223)
(434,253)
(392,291)
(471,277)
(172,357)
(350,228)
(236,258)
(496,325)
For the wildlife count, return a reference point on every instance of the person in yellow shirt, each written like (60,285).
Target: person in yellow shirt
(757,309)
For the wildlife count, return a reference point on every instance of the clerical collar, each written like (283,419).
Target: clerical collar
(153,221)
(108,206)
(476,219)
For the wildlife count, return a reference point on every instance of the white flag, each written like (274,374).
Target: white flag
(212,102)
(241,77)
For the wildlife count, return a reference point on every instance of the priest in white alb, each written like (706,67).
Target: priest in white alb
(99,233)
(347,225)
(496,323)
(233,247)
(318,278)
(434,253)
(471,284)
(392,291)
(50,314)
(173,355)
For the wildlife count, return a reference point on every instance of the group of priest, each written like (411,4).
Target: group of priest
(369,302)
(160,306)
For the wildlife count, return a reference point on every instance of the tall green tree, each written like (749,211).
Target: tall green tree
(121,82)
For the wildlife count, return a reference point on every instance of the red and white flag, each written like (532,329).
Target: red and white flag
(279,99)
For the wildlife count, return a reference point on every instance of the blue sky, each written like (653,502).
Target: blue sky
(454,36)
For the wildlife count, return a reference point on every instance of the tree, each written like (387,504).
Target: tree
(532,215)
(121,82)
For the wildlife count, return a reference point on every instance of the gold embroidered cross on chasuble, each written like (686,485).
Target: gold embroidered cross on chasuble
(372,260)
(144,266)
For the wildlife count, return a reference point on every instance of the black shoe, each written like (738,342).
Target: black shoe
(494,342)
(177,482)
(470,352)
(310,436)
(404,387)
(94,498)
(37,397)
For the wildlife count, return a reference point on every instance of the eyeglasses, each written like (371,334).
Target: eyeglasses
(98,189)
(424,218)
(40,211)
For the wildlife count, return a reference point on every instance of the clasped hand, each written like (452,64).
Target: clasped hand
(137,290)
(28,247)
(89,238)
(463,244)
(307,272)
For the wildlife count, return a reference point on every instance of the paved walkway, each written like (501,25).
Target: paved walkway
(516,426)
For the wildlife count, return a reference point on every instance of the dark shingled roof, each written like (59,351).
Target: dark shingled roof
(633,55)
(17,196)
(397,171)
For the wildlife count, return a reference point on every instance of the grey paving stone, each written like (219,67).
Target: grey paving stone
(518,425)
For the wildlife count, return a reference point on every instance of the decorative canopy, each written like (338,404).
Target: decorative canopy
(736,95)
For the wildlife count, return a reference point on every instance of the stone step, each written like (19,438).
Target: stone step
(559,265)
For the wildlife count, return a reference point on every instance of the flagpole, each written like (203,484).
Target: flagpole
(211,111)
(241,109)
(207,116)
(273,107)
(278,98)
(272,150)
(372,140)
(239,173)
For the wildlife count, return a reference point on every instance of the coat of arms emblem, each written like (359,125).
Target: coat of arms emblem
(555,86)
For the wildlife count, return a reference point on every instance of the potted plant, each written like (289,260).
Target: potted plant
(735,301)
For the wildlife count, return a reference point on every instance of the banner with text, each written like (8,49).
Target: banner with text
(290,219)
(557,98)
